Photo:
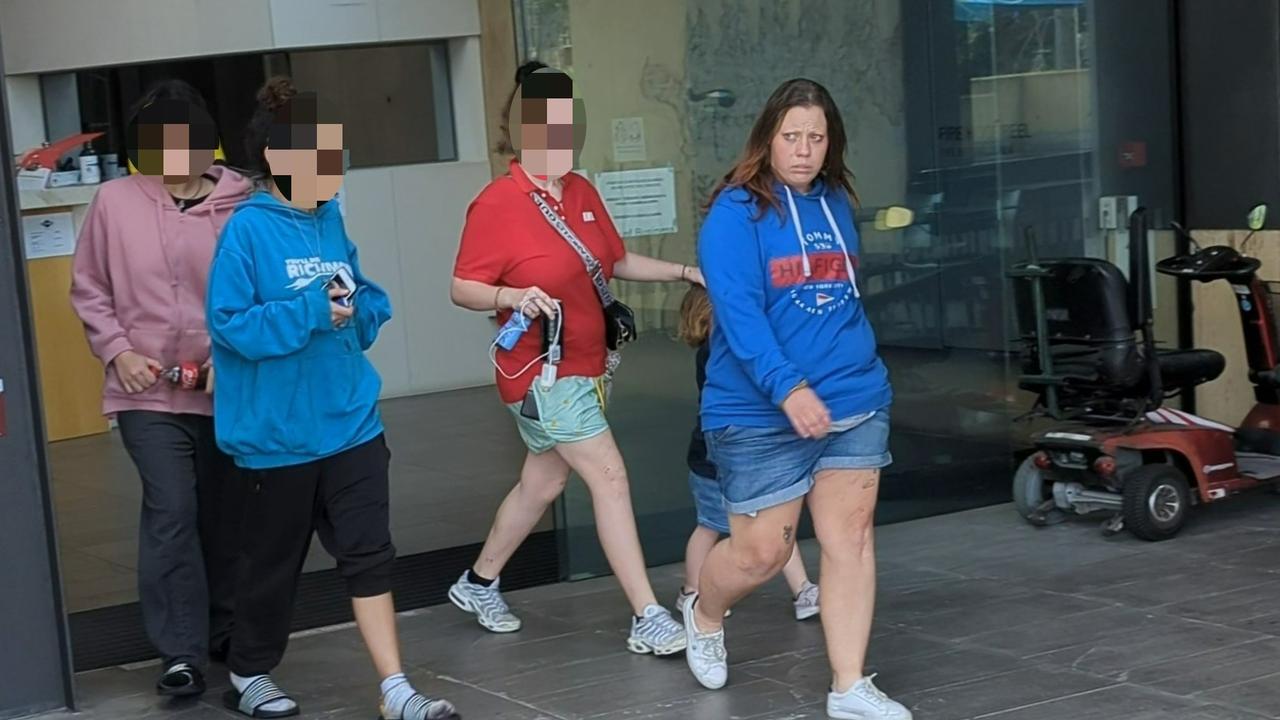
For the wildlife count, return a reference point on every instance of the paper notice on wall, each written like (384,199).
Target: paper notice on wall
(628,140)
(51,235)
(641,202)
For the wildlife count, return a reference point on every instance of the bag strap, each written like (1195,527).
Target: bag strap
(592,265)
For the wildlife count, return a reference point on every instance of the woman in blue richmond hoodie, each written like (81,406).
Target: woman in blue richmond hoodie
(296,405)
(796,403)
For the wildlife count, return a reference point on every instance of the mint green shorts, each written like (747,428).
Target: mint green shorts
(571,410)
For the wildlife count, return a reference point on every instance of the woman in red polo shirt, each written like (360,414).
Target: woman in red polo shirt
(513,259)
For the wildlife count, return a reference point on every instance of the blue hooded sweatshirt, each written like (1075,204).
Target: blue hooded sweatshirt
(787,309)
(289,388)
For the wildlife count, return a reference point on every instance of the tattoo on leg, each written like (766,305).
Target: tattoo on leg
(870,482)
(787,531)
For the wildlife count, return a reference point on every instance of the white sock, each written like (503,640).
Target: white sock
(240,683)
(396,692)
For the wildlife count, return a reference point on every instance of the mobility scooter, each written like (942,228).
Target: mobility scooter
(1089,354)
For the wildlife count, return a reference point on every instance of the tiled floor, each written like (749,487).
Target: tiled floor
(980,616)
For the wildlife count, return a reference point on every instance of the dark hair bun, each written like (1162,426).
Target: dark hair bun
(276,92)
(530,67)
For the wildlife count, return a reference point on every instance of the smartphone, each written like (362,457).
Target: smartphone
(529,408)
(342,279)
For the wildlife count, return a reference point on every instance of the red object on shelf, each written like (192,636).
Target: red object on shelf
(1133,154)
(47,156)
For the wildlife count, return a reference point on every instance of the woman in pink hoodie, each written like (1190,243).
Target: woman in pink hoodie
(140,270)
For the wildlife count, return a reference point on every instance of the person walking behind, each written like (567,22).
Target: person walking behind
(713,521)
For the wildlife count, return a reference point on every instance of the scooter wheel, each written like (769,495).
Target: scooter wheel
(1156,501)
(1030,494)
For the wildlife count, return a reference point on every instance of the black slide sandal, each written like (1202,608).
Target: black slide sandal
(180,680)
(259,692)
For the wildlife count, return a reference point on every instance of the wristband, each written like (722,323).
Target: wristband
(497,297)
(798,387)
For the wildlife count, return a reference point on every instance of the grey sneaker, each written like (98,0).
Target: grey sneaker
(682,596)
(864,701)
(657,632)
(706,655)
(807,602)
(485,603)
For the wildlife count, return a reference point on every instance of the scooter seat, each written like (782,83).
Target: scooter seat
(1185,368)
(1258,440)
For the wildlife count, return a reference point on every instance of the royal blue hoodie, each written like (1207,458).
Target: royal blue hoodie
(289,388)
(787,308)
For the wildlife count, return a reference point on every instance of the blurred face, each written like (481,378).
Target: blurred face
(799,148)
(172,141)
(311,171)
(548,124)
(546,132)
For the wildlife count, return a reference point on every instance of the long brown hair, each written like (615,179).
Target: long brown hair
(753,171)
(695,316)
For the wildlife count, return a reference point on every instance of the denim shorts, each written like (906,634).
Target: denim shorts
(709,503)
(571,410)
(760,468)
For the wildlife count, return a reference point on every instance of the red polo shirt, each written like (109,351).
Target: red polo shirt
(507,242)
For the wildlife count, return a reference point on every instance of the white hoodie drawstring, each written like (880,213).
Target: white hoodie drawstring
(795,220)
(848,261)
(804,252)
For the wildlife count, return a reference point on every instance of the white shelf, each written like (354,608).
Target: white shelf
(69,196)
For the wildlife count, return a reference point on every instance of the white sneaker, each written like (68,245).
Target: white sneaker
(485,603)
(682,596)
(807,602)
(706,655)
(656,632)
(864,701)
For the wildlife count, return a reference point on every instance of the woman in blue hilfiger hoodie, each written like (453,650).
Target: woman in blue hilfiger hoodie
(796,403)
(297,405)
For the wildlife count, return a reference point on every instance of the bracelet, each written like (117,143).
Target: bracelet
(684,271)
(798,387)
(497,297)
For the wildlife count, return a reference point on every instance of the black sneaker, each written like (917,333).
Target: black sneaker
(180,680)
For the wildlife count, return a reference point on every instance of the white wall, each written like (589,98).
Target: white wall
(26,111)
(406,221)
(53,35)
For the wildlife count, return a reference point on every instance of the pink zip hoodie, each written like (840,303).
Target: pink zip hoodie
(138,282)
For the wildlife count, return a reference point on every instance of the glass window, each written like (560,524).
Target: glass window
(988,118)
(394,100)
